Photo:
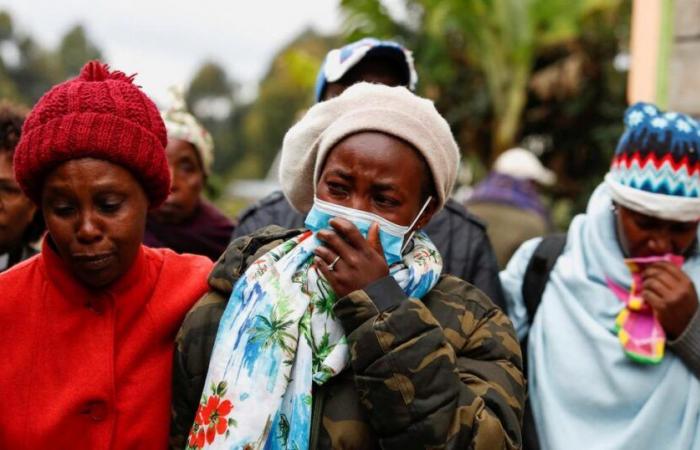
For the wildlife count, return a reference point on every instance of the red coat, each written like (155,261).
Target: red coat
(92,370)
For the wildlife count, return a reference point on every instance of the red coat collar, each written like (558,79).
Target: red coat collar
(138,280)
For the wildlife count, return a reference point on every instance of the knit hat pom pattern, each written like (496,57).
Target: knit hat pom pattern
(658,152)
(99,114)
(96,71)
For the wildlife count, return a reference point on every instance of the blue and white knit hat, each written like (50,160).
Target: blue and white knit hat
(340,60)
(656,168)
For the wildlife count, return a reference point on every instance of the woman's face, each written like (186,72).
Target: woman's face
(378,173)
(16,210)
(187,183)
(641,235)
(95,212)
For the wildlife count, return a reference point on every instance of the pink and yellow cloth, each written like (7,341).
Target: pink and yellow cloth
(641,335)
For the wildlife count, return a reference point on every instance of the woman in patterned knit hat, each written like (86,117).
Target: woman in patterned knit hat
(186,222)
(614,346)
(89,323)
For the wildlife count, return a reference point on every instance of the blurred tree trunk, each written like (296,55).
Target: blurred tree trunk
(508,112)
(498,37)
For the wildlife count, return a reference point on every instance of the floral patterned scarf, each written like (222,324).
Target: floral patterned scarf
(277,336)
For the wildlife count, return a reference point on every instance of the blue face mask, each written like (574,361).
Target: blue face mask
(391,235)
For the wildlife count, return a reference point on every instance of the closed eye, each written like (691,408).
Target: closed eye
(645,223)
(110,204)
(110,207)
(10,189)
(386,201)
(337,188)
(186,166)
(63,210)
(683,227)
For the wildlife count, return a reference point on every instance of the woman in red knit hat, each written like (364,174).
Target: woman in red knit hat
(88,324)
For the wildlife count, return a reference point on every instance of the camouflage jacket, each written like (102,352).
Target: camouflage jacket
(444,372)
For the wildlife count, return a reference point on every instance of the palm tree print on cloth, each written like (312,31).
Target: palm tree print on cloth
(278,336)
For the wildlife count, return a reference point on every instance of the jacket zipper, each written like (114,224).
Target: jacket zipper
(316,415)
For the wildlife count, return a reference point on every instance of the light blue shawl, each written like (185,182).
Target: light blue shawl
(585,393)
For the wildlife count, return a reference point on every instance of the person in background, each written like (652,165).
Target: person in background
(613,352)
(509,202)
(89,323)
(186,222)
(460,237)
(21,223)
(345,335)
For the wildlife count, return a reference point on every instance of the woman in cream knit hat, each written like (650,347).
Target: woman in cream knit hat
(344,334)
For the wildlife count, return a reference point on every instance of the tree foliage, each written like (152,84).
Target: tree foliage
(502,71)
(74,51)
(5,26)
(35,69)
(285,91)
(209,86)
(211,96)
(249,135)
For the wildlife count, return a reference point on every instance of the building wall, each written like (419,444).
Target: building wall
(684,64)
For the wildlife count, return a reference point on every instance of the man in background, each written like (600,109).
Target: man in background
(509,202)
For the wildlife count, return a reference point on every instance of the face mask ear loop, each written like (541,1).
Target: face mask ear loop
(415,221)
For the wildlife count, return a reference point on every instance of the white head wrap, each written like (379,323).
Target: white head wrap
(180,124)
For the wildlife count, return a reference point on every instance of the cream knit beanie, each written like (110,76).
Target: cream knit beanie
(366,107)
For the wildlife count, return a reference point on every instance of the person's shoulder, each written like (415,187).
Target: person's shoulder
(212,213)
(179,262)
(179,280)
(273,201)
(20,271)
(522,255)
(204,316)
(462,308)
(459,212)
(455,292)
(270,233)
(242,251)
(18,281)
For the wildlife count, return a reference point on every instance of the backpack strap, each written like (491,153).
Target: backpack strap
(536,277)
(538,269)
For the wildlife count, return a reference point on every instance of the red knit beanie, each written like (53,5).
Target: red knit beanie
(100,114)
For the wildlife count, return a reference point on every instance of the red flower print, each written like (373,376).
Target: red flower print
(211,433)
(214,416)
(210,419)
(198,419)
(192,440)
(196,439)
(221,426)
(200,439)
